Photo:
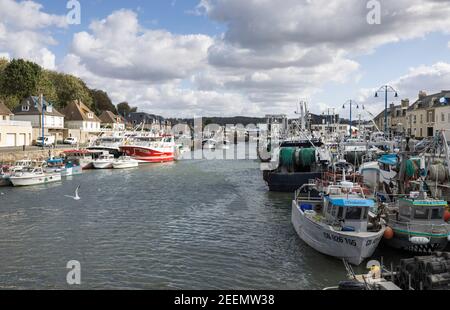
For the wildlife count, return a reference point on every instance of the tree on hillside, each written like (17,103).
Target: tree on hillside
(102,102)
(20,78)
(124,109)
(70,88)
(46,87)
(3,63)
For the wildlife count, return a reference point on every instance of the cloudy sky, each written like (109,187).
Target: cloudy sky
(231,57)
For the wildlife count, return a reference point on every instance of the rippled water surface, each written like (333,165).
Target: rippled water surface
(194,224)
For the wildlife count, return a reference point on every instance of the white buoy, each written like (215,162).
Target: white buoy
(419,240)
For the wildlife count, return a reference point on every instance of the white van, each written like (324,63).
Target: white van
(47,141)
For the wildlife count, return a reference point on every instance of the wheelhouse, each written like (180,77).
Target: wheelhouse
(352,213)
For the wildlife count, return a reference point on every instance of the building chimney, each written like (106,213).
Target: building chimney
(422,94)
(405,103)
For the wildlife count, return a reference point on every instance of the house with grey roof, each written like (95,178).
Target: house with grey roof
(30,110)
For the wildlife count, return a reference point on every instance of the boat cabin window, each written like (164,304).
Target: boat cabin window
(405,211)
(421,213)
(385,167)
(365,213)
(340,213)
(437,213)
(353,213)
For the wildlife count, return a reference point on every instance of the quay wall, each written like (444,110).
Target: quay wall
(11,156)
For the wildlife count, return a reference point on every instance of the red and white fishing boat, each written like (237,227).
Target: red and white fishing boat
(150,149)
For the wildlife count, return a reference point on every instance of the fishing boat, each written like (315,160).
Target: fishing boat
(150,149)
(417,223)
(125,162)
(110,144)
(21,164)
(85,158)
(336,220)
(294,163)
(105,161)
(71,168)
(33,176)
(54,165)
(382,171)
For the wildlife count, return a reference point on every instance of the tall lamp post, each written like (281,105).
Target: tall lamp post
(386,89)
(44,109)
(351,103)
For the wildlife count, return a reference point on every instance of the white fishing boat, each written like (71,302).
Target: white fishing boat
(125,162)
(336,220)
(21,164)
(33,176)
(105,161)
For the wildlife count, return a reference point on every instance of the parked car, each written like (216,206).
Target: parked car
(46,141)
(71,141)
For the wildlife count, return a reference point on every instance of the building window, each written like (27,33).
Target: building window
(90,115)
(442,117)
(25,108)
(421,118)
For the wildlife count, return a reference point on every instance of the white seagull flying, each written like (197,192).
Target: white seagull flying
(76,197)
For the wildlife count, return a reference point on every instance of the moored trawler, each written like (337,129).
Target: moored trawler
(336,220)
(417,224)
(295,163)
(150,149)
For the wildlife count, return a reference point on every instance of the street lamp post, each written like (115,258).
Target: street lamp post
(351,103)
(386,89)
(44,109)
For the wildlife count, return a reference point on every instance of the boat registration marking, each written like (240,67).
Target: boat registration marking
(340,239)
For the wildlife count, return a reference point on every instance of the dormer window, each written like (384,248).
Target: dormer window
(90,115)
(50,109)
(25,108)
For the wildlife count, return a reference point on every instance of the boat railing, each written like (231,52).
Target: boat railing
(426,228)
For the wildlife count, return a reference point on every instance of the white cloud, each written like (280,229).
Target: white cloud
(23,31)
(431,79)
(118,47)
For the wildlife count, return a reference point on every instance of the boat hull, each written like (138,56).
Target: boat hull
(148,155)
(35,180)
(288,182)
(72,171)
(125,165)
(354,249)
(4,181)
(402,241)
(102,164)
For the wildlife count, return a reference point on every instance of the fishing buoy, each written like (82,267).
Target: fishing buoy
(447,216)
(388,233)
(419,240)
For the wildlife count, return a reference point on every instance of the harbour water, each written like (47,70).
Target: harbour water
(193,224)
